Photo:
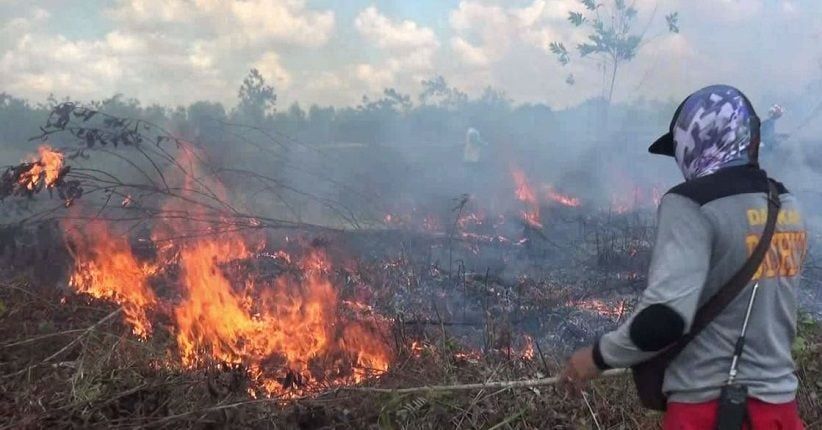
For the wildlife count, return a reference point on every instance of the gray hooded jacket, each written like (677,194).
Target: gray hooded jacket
(707,228)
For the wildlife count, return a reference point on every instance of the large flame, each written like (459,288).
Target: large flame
(44,170)
(289,333)
(212,316)
(293,321)
(105,268)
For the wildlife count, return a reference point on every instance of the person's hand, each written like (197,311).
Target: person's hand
(579,370)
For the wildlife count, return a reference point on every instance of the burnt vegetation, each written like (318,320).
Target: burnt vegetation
(257,269)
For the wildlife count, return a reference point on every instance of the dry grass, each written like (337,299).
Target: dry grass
(74,365)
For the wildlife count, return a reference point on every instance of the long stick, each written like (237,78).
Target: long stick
(479,386)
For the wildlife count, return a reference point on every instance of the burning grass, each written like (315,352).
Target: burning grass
(287,333)
(69,365)
(180,312)
(105,268)
(239,360)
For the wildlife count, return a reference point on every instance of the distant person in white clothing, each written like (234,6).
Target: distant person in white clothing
(474,147)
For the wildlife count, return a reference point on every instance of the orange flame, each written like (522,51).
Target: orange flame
(468,356)
(416,349)
(562,199)
(44,170)
(211,316)
(106,269)
(526,195)
(294,321)
(289,329)
(595,305)
(528,349)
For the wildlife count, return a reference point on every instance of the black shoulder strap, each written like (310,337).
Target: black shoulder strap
(716,304)
(649,376)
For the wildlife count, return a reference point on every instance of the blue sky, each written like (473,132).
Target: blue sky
(174,52)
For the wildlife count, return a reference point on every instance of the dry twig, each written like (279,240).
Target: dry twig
(526,383)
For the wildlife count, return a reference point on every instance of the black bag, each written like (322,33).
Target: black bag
(649,375)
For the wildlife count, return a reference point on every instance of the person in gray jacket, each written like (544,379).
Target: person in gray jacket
(706,229)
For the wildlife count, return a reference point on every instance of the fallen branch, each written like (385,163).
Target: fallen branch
(479,386)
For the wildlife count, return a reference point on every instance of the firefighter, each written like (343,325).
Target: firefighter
(472,153)
(705,229)
(478,174)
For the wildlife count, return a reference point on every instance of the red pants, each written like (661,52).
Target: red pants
(702,416)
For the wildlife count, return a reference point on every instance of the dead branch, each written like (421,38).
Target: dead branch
(526,383)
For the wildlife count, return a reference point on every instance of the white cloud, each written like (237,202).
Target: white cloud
(11,31)
(671,65)
(496,28)
(154,13)
(151,67)
(248,22)
(178,51)
(470,54)
(376,78)
(201,55)
(408,51)
(726,11)
(288,21)
(42,65)
(125,43)
(387,34)
(482,31)
(273,71)
(485,33)
(507,47)
(164,51)
(789,6)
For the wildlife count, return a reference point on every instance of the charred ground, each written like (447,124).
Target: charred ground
(263,302)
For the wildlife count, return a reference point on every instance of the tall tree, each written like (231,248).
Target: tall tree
(257,99)
(437,91)
(392,100)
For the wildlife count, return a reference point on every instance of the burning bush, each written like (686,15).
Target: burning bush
(45,171)
(288,333)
